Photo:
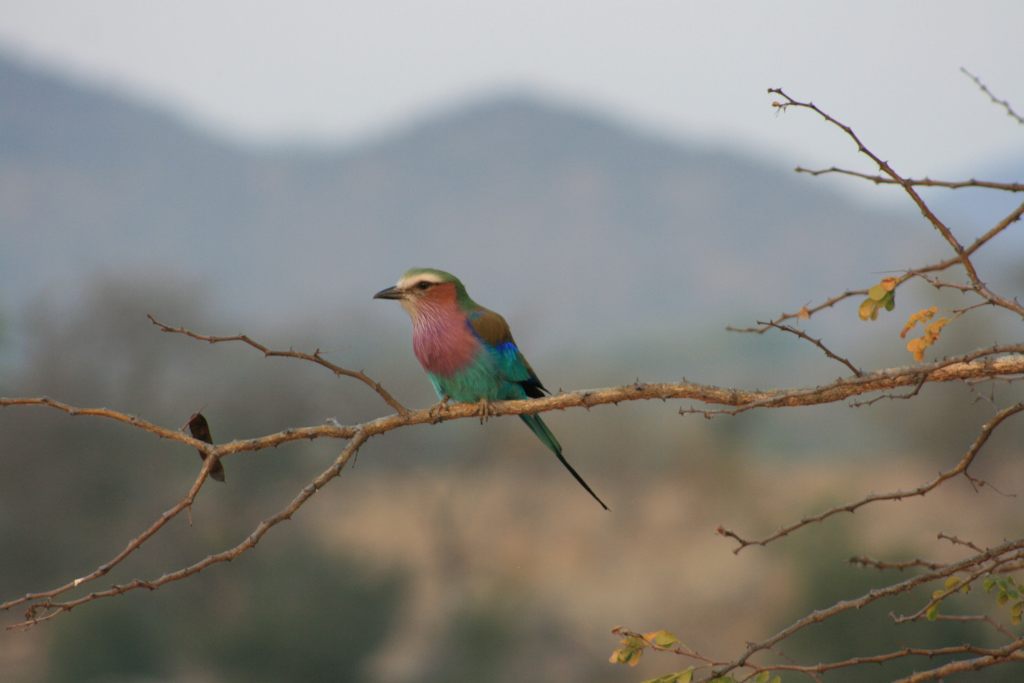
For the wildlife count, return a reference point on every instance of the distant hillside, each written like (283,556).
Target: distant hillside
(559,217)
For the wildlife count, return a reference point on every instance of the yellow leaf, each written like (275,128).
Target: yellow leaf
(877,293)
(867,307)
(889,283)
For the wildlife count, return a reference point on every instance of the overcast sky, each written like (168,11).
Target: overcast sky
(339,72)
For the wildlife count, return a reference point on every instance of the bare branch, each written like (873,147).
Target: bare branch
(961,468)
(1010,219)
(314,357)
(816,342)
(962,257)
(916,182)
(47,609)
(936,674)
(963,367)
(956,541)
(864,561)
(1003,103)
(809,312)
(818,616)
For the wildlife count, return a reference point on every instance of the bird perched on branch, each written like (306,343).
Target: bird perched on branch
(468,350)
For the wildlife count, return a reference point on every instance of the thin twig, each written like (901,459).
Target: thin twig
(915,182)
(816,342)
(865,561)
(1003,103)
(829,303)
(961,468)
(314,357)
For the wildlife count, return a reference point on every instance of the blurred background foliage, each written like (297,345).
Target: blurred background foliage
(459,552)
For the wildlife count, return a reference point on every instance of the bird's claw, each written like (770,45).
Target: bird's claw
(485,410)
(437,408)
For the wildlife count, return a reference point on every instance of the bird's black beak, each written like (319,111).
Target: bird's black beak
(390,293)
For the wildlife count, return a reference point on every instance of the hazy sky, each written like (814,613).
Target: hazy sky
(341,71)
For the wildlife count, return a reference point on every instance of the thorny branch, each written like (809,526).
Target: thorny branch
(864,561)
(829,303)
(1003,103)
(916,182)
(816,342)
(961,468)
(314,357)
(1004,558)
(962,257)
(979,363)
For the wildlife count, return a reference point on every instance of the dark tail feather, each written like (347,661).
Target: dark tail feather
(544,434)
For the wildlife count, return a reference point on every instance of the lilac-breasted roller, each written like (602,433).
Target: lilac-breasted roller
(468,350)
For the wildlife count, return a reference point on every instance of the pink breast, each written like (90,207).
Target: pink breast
(443,342)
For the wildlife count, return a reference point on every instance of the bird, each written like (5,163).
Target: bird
(468,351)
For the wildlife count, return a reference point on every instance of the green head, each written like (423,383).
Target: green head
(420,287)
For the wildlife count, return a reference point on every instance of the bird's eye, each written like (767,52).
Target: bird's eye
(424,285)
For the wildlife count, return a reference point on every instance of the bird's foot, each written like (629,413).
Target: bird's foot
(438,408)
(485,410)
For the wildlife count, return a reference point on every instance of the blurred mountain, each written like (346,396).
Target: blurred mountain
(558,218)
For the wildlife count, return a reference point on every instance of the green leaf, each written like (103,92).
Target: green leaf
(877,293)
(663,639)
(762,677)
(1003,598)
(678,677)
(777,679)
(1009,580)
(987,584)
(952,581)
(891,303)
(933,611)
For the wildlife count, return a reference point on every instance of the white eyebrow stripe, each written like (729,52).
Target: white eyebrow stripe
(409,281)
